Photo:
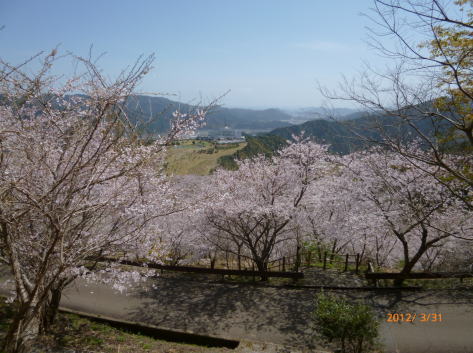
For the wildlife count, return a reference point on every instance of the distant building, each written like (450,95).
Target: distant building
(188,136)
(223,141)
(221,134)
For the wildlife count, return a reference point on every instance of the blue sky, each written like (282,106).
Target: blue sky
(269,53)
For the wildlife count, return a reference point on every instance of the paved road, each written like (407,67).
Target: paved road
(277,315)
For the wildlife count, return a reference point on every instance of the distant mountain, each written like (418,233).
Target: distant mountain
(311,113)
(322,131)
(341,136)
(346,136)
(155,113)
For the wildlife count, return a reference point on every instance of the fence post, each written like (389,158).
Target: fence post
(325,260)
(226,260)
(346,263)
(253,269)
(283,263)
(357,262)
(371,270)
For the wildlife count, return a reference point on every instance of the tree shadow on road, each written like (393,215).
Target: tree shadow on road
(234,311)
(384,301)
(272,314)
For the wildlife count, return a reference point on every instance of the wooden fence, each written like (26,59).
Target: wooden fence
(374,277)
(417,275)
(306,260)
(216,271)
(285,266)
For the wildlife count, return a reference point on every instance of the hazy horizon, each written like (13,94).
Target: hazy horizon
(269,54)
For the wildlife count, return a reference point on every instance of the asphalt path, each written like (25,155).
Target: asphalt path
(277,315)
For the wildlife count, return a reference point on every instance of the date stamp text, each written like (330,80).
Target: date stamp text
(414,317)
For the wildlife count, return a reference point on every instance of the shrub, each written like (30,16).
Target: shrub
(353,326)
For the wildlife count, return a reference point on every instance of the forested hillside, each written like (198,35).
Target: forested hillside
(347,136)
(342,137)
(265,144)
(153,115)
(336,134)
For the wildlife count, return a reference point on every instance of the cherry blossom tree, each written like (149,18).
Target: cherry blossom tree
(378,204)
(181,238)
(258,204)
(76,183)
(339,218)
(407,203)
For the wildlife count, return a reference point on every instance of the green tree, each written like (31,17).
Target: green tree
(352,326)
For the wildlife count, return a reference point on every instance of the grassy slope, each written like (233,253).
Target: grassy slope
(255,145)
(72,333)
(188,158)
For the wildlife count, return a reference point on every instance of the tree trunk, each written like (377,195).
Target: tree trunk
(405,271)
(22,332)
(298,258)
(51,309)
(226,260)
(262,268)
(212,260)
(239,257)
(359,345)
(334,247)
(409,265)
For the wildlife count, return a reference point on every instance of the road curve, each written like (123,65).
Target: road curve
(276,315)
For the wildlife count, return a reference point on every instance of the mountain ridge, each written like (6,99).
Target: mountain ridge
(155,113)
